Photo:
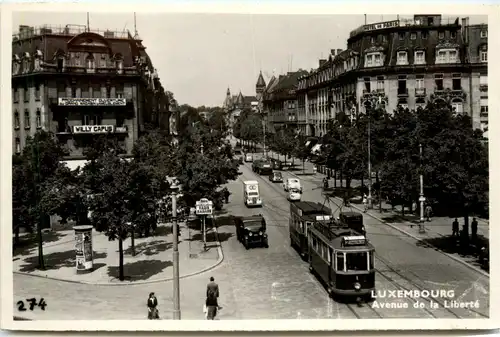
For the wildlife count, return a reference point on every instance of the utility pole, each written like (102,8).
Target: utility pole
(177,305)
(369,159)
(421,228)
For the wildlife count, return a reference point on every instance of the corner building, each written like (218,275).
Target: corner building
(400,63)
(79,83)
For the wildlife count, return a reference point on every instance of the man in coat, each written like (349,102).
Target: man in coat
(152,304)
(213,290)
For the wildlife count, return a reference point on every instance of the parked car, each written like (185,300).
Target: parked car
(248,158)
(276,177)
(294,194)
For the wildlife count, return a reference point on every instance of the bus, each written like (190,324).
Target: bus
(302,215)
(342,259)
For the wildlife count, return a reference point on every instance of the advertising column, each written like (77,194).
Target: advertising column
(83,248)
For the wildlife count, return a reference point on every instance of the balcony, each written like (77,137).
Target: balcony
(420,92)
(402,92)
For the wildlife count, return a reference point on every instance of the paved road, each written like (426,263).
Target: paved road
(273,282)
(403,264)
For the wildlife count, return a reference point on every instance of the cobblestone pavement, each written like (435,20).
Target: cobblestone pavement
(401,261)
(271,283)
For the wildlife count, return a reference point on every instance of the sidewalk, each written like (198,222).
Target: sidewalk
(152,262)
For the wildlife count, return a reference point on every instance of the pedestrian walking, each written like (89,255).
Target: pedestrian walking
(211,302)
(365,203)
(455,228)
(226,195)
(473,229)
(428,212)
(152,307)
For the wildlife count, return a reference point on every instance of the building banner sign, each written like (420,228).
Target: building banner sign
(70,101)
(375,26)
(93,128)
(83,248)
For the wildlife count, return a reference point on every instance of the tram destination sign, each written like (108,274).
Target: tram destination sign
(323,217)
(204,207)
(354,240)
(71,101)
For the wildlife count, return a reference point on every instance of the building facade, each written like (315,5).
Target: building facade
(234,105)
(400,63)
(78,83)
(280,103)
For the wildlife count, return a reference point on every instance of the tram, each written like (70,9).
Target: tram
(342,259)
(302,215)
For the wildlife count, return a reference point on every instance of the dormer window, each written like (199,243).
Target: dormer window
(37,60)
(441,35)
(103,61)
(26,62)
(453,35)
(384,38)
(484,33)
(401,36)
(372,40)
(447,56)
(483,53)
(419,57)
(90,63)
(402,58)
(424,35)
(16,64)
(373,60)
(413,36)
(119,66)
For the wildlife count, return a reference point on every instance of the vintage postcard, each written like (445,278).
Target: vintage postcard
(248,167)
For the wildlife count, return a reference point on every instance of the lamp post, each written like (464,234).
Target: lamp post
(175,253)
(421,227)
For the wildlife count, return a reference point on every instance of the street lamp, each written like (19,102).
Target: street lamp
(177,306)
(421,227)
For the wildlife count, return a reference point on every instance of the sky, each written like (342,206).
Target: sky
(198,56)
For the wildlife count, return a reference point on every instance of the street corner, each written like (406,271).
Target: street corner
(149,260)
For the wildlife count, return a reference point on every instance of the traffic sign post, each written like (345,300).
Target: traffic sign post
(204,207)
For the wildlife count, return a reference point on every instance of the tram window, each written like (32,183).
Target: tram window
(340,261)
(301,226)
(372,261)
(357,261)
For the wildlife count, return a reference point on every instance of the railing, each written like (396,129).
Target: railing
(403,92)
(419,91)
(68,30)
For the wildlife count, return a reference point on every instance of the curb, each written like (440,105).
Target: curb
(218,262)
(478,270)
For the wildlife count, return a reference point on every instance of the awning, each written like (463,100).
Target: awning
(74,164)
(316,148)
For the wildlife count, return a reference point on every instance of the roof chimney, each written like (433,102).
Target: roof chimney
(321,62)
(339,51)
(332,51)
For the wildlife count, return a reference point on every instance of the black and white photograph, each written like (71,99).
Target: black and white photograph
(309,171)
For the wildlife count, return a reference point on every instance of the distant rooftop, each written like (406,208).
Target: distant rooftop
(418,20)
(26,32)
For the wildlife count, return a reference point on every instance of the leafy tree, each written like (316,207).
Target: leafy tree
(252,129)
(33,174)
(302,152)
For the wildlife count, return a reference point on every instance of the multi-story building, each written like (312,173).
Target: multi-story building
(280,101)
(78,83)
(234,105)
(399,63)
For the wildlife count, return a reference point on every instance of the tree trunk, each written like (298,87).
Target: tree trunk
(403,209)
(348,182)
(41,262)
(120,267)
(334,178)
(377,181)
(303,166)
(132,237)
(341,178)
(362,182)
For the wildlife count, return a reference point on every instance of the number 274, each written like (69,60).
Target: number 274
(32,303)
